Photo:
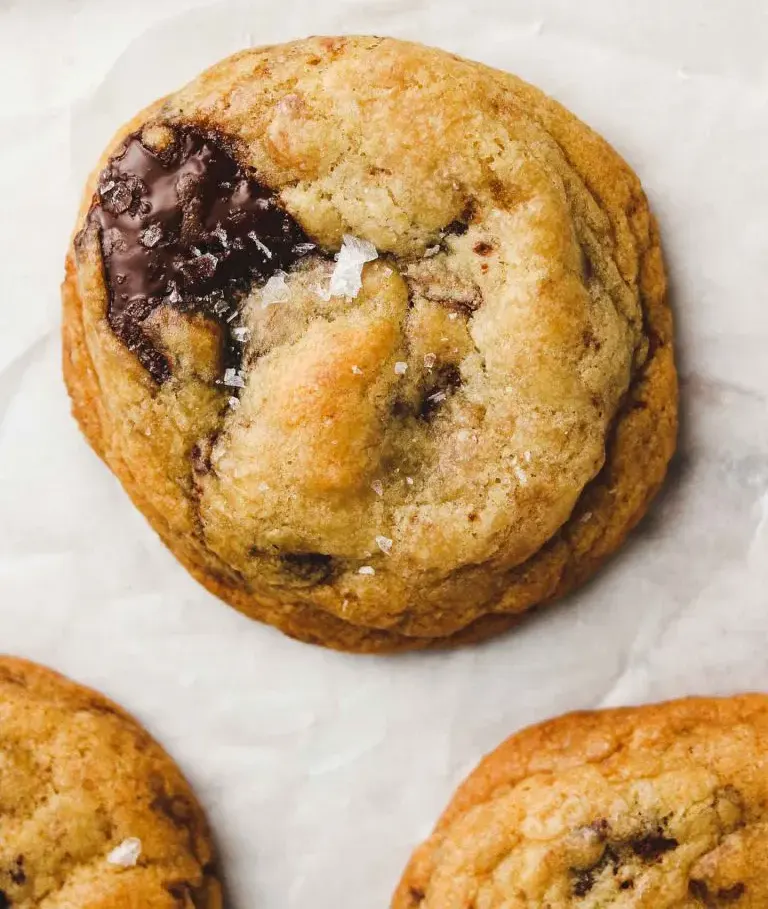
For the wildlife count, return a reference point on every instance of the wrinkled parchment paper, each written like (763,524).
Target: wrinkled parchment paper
(320,771)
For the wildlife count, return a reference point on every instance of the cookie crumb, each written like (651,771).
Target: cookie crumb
(126,854)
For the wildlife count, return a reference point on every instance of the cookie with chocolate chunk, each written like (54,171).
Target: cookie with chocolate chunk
(660,806)
(93,813)
(375,337)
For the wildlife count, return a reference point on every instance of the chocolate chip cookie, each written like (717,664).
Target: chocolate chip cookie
(375,337)
(93,813)
(660,806)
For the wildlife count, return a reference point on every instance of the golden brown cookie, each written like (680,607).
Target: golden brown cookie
(376,338)
(93,813)
(659,807)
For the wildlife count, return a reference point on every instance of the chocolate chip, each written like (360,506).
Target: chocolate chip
(416,895)
(5,903)
(483,248)
(651,847)
(173,228)
(17,873)
(307,569)
(698,890)
(445,379)
(731,894)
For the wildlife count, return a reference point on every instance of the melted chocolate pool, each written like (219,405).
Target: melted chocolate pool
(186,226)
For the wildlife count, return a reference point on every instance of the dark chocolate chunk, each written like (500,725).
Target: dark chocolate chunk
(190,227)
(308,568)
(653,846)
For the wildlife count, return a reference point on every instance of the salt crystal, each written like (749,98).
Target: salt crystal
(527,456)
(521,475)
(429,360)
(462,435)
(347,277)
(151,235)
(301,249)
(367,570)
(233,379)
(234,403)
(384,544)
(431,251)
(443,339)
(357,371)
(437,397)
(401,368)
(174,296)
(221,236)
(126,854)
(220,307)
(586,516)
(409,481)
(259,245)
(275,290)
(377,487)
(453,316)
(241,334)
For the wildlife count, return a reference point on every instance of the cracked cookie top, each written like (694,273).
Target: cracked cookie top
(92,812)
(661,807)
(362,316)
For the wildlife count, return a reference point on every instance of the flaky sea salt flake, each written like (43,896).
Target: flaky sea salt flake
(275,290)
(301,249)
(437,397)
(521,475)
(151,236)
(378,487)
(347,277)
(409,481)
(126,854)
(234,403)
(241,333)
(357,371)
(401,368)
(429,360)
(431,251)
(233,379)
(384,544)
(259,245)
(368,570)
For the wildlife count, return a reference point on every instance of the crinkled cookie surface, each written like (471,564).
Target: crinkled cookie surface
(403,437)
(659,807)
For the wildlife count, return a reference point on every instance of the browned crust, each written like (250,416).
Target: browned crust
(638,452)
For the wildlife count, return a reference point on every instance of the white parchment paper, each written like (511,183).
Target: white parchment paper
(321,771)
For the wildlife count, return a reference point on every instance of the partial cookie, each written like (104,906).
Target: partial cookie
(375,337)
(93,813)
(662,807)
